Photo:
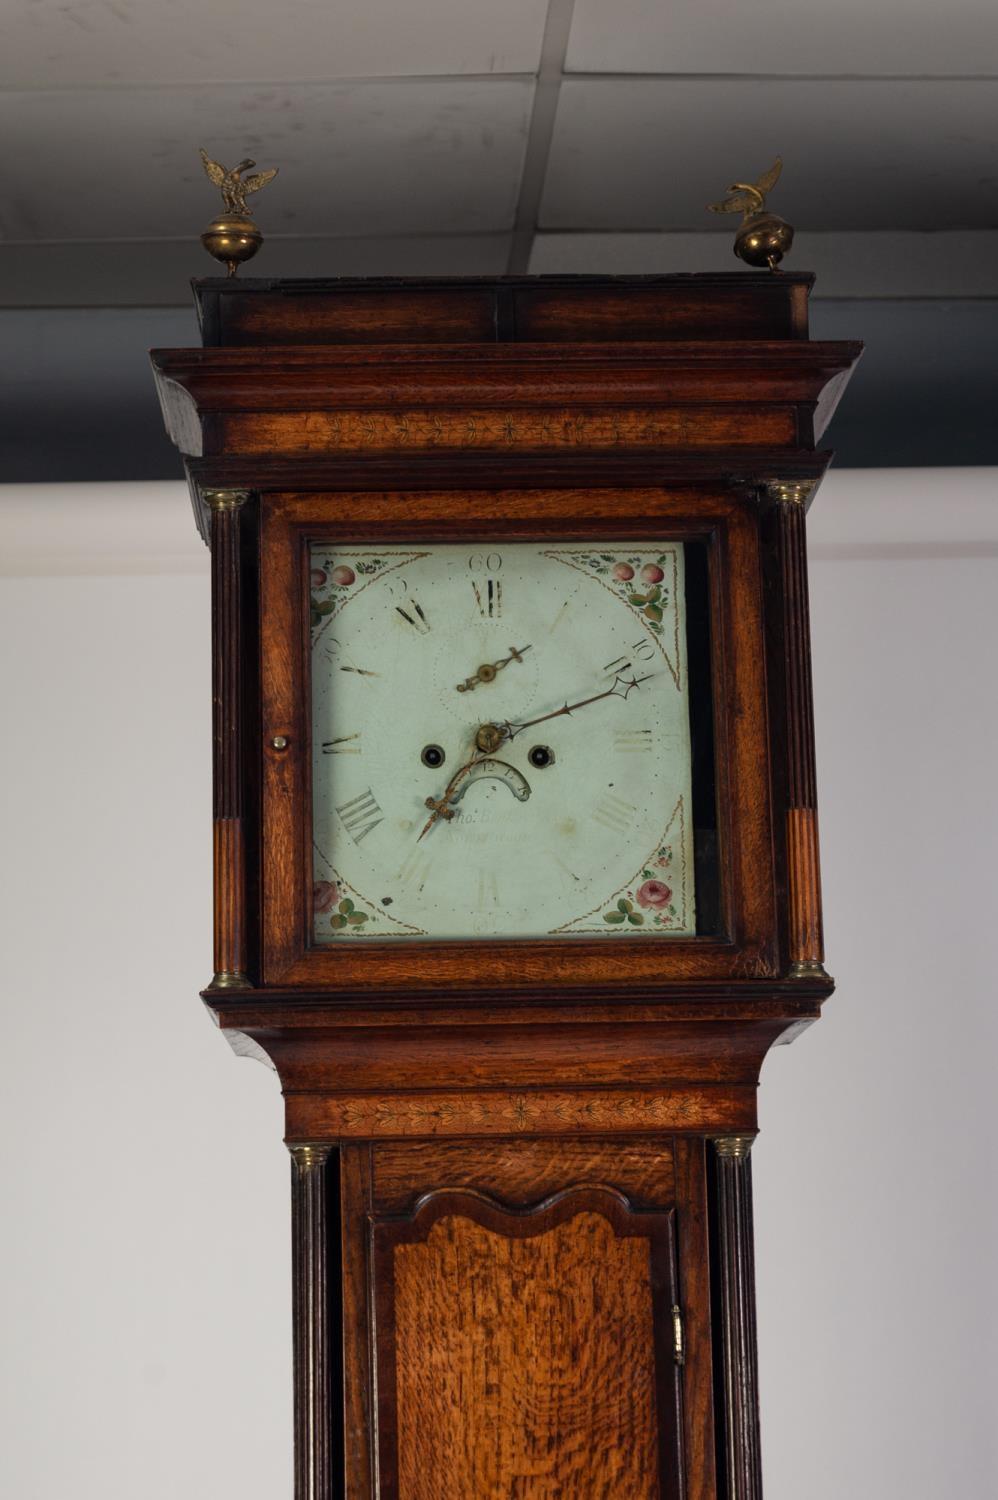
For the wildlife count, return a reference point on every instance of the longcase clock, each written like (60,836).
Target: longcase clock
(516,870)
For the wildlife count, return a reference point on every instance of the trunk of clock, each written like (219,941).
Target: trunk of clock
(524,1303)
(515,1317)
(521,1181)
(522,1247)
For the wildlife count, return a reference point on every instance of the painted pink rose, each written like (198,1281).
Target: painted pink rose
(325,895)
(654,895)
(319,577)
(623,572)
(343,575)
(652,573)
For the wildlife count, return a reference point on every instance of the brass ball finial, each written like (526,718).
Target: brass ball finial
(233,237)
(763,238)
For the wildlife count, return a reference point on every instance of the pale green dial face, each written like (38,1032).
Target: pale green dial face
(453,794)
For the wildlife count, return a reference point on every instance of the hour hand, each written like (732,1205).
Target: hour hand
(489,671)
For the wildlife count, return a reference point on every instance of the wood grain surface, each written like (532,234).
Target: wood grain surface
(260,311)
(529,1352)
(803,875)
(324,1117)
(474,428)
(699,1417)
(741,1450)
(230,787)
(519,1172)
(525,1366)
(317,1429)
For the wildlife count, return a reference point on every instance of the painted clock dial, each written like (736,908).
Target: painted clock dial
(500,741)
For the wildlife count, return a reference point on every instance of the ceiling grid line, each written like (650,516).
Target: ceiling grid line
(611,75)
(458,138)
(540,132)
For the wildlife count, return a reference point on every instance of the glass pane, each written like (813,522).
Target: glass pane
(502,741)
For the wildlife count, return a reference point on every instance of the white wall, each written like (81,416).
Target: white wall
(144,1266)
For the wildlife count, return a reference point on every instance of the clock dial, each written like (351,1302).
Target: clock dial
(500,740)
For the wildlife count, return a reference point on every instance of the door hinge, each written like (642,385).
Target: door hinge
(678,1337)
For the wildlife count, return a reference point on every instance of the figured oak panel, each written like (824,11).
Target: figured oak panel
(525,1353)
(519,1171)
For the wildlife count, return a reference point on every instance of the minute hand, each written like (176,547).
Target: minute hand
(621,687)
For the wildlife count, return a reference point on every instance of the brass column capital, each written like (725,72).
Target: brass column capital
(809,968)
(309,1154)
(790,491)
(229,979)
(734,1147)
(225,499)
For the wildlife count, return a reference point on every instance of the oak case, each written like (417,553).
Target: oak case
(511,1156)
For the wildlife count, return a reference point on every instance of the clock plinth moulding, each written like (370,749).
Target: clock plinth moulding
(511,1153)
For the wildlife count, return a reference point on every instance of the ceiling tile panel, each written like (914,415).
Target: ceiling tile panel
(87,43)
(650,153)
(784,36)
(355,159)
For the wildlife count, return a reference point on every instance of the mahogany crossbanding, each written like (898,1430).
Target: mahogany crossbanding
(305,432)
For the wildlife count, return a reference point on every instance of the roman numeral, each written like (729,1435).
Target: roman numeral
(360,815)
(343,746)
(488,597)
(360,671)
(632,739)
(642,650)
(488,889)
(414,616)
(613,812)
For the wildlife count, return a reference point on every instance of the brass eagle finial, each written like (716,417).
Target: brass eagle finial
(233,237)
(763,238)
(231,183)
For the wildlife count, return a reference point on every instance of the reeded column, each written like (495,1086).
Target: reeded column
(226,508)
(736,1256)
(805,937)
(310,1311)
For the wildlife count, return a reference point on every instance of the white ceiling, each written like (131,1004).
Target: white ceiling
(125,43)
(859,37)
(399,157)
(646,153)
(442,135)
